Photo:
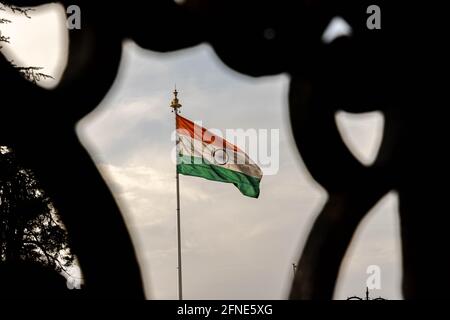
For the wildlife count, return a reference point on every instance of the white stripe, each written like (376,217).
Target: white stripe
(225,158)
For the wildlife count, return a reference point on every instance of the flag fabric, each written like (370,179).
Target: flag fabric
(202,154)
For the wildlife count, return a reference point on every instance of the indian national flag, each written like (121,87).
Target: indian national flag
(203,154)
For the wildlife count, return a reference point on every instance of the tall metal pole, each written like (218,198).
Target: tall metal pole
(180,274)
(176,105)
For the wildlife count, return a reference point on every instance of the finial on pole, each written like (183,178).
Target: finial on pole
(175,104)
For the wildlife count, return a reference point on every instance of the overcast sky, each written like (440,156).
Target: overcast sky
(234,247)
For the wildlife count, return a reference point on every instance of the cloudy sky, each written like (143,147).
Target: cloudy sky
(233,247)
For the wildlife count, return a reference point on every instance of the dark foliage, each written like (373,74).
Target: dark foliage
(30,229)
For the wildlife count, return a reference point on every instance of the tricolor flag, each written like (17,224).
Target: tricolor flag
(203,154)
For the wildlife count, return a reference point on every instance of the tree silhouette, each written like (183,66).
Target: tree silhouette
(30,229)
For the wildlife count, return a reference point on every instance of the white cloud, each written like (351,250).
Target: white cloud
(337,27)
(362,133)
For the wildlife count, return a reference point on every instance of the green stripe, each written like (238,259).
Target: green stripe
(198,167)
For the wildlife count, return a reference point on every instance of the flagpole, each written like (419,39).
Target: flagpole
(176,105)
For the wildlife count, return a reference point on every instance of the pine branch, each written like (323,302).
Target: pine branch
(16,9)
(50,258)
(32,73)
(48,255)
(3,38)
